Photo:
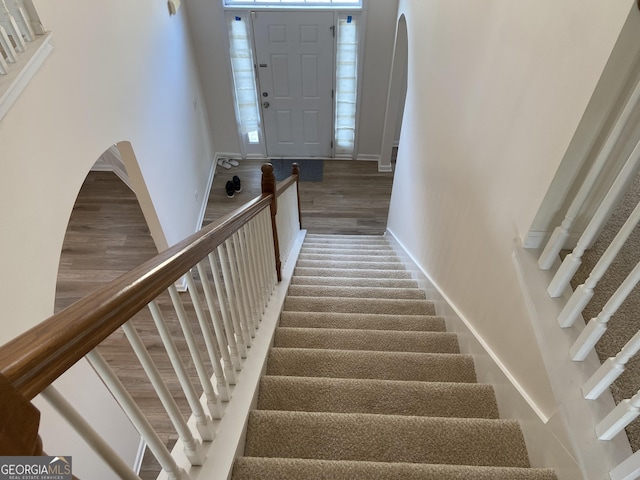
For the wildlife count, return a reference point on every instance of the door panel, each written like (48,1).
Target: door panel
(294,52)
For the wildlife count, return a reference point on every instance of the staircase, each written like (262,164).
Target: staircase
(363,382)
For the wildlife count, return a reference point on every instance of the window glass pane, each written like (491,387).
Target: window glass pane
(346,85)
(246,98)
(301,3)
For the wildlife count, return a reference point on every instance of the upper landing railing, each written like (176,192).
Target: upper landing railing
(231,268)
(19,25)
(615,421)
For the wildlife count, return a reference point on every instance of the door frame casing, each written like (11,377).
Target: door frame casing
(259,150)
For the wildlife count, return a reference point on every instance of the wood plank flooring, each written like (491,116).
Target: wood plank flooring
(107,236)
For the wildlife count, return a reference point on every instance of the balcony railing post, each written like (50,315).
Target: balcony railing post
(19,422)
(269,188)
(295,170)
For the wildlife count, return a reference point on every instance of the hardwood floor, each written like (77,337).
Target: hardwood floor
(107,236)
(352,198)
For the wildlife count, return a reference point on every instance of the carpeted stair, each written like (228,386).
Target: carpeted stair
(363,382)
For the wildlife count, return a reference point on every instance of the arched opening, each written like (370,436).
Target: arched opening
(395,98)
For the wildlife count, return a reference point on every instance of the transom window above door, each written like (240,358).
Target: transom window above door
(333,4)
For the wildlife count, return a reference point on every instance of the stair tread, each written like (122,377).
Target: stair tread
(333,271)
(356,292)
(428,367)
(362,321)
(311,469)
(354,281)
(390,397)
(385,257)
(359,305)
(362,436)
(389,265)
(358,339)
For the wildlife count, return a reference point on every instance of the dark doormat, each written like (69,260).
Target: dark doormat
(310,170)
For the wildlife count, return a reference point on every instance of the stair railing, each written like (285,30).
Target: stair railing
(231,268)
(626,411)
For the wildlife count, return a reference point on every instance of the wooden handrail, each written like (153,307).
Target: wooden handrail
(33,360)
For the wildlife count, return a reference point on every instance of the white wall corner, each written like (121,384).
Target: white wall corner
(111,161)
(21,72)
(575,417)
(544,433)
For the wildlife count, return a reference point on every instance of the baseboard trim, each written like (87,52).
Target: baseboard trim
(469,326)
(536,239)
(545,436)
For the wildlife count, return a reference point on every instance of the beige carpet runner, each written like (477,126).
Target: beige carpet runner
(363,382)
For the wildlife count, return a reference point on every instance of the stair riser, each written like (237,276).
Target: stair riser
(385,438)
(359,305)
(354,282)
(385,258)
(362,321)
(419,342)
(384,397)
(356,292)
(351,265)
(248,468)
(350,272)
(424,367)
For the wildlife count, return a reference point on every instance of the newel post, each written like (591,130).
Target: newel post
(269,188)
(19,422)
(295,171)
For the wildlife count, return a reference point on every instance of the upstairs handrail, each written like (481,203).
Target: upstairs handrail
(33,360)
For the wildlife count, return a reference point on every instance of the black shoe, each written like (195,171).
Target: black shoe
(230,189)
(236,183)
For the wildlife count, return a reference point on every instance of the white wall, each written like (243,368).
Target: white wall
(496,90)
(206,19)
(120,71)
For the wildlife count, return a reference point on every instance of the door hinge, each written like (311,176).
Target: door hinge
(331,144)
(333,30)
(332,92)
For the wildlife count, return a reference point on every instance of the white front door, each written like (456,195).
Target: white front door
(294,56)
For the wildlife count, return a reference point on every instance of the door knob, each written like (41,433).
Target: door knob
(265,104)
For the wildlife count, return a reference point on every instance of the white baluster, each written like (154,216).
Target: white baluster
(259,262)
(192,447)
(224,311)
(9,24)
(7,46)
(627,470)
(213,400)
(248,274)
(611,369)
(232,302)
(4,68)
(87,432)
(597,326)
(204,424)
(561,233)
(229,355)
(572,261)
(117,389)
(584,292)
(21,18)
(621,416)
(243,284)
(267,238)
